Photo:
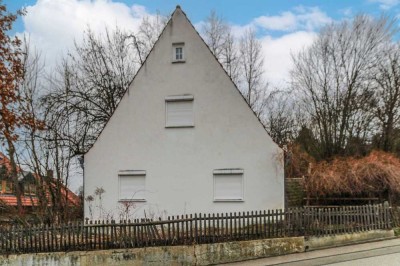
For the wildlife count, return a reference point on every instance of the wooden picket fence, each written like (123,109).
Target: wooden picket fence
(194,229)
(346,219)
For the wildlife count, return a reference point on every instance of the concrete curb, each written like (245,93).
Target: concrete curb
(317,243)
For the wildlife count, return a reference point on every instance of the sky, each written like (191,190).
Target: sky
(283,27)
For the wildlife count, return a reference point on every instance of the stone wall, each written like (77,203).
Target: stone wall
(175,255)
(206,254)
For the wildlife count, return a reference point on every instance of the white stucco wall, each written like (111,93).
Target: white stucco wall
(179,162)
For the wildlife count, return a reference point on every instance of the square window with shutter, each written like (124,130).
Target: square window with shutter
(179,111)
(228,185)
(132,185)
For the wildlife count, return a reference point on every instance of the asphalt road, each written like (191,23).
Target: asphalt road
(387,260)
(381,253)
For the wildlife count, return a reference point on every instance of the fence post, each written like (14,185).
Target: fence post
(387,216)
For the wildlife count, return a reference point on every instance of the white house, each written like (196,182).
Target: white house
(182,140)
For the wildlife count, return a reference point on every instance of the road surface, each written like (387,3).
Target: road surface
(381,253)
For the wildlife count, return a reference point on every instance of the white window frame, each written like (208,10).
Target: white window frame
(174,54)
(132,174)
(178,98)
(231,172)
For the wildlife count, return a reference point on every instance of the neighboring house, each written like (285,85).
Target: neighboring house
(28,184)
(182,140)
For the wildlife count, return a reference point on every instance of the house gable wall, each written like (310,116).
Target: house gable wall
(179,162)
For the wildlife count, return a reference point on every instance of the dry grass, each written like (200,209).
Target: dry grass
(376,173)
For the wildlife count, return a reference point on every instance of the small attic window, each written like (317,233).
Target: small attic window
(178,52)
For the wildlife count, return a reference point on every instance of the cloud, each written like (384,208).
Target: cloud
(385,4)
(301,18)
(239,30)
(297,31)
(347,12)
(53,25)
(285,22)
(278,51)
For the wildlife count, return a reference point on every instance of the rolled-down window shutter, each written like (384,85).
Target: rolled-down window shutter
(132,187)
(179,113)
(228,187)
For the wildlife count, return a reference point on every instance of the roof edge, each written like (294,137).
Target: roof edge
(134,77)
(178,8)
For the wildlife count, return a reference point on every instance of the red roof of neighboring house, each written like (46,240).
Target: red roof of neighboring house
(11,199)
(72,197)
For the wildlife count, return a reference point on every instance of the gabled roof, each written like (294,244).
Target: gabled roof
(178,9)
(27,200)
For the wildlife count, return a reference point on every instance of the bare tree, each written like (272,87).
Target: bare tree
(31,155)
(387,94)
(43,151)
(149,31)
(251,63)
(229,57)
(279,117)
(89,84)
(218,36)
(332,79)
(214,31)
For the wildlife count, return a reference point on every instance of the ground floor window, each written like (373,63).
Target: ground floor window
(228,185)
(132,185)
